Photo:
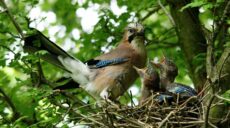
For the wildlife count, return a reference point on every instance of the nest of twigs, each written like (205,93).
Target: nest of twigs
(185,114)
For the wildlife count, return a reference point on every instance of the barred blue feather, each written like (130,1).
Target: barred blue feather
(177,88)
(104,63)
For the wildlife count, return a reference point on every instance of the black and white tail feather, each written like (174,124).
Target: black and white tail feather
(79,71)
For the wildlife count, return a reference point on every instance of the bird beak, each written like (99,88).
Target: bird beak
(157,65)
(140,71)
(140,32)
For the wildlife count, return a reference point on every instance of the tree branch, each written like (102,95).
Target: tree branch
(207,112)
(10,103)
(150,13)
(167,13)
(8,12)
(221,22)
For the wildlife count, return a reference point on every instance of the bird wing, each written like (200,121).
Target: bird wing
(182,89)
(119,55)
(103,63)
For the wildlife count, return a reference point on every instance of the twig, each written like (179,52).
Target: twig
(212,125)
(65,114)
(207,111)
(189,122)
(150,13)
(8,12)
(222,98)
(219,76)
(226,118)
(167,13)
(221,22)
(166,118)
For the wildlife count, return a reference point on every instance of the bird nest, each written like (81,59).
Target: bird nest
(149,115)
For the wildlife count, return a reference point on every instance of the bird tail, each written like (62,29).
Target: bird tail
(57,56)
(80,72)
(38,42)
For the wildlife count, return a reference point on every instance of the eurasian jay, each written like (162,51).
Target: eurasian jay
(151,85)
(108,75)
(168,73)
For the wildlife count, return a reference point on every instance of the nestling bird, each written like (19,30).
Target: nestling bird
(108,75)
(150,80)
(168,73)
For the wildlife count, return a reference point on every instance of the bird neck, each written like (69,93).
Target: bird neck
(138,45)
(145,94)
(165,82)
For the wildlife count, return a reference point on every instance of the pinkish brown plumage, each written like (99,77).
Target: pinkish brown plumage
(112,79)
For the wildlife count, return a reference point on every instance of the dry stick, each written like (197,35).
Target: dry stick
(12,19)
(89,118)
(166,118)
(189,122)
(174,111)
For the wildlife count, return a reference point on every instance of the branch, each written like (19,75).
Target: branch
(210,56)
(8,12)
(166,118)
(150,13)
(206,124)
(221,22)
(10,103)
(167,13)
(222,98)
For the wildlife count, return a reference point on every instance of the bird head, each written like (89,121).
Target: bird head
(149,76)
(134,30)
(168,68)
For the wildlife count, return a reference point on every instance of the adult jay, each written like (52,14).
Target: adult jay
(108,75)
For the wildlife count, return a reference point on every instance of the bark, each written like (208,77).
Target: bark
(192,42)
(191,39)
(220,79)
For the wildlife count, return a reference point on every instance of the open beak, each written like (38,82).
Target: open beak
(162,62)
(157,65)
(140,71)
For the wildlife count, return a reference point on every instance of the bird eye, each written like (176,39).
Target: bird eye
(131,30)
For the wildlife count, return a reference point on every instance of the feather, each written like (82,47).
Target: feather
(182,89)
(103,63)
(80,71)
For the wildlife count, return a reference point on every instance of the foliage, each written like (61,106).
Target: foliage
(34,103)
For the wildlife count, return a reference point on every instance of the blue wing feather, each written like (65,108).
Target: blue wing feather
(163,97)
(104,63)
(182,89)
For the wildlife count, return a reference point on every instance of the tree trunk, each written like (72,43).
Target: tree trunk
(192,42)
(191,39)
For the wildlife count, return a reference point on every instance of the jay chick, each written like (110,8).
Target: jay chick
(108,75)
(168,73)
(151,84)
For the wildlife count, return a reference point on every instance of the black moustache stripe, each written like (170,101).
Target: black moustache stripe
(131,38)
